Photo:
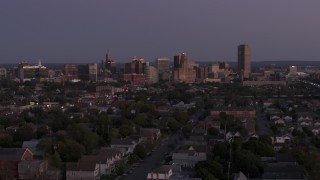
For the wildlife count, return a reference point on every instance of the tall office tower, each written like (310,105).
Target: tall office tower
(162,64)
(93,72)
(213,70)
(244,60)
(88,72)
(70,72)
(152,75)
(202,73)
(183,71)
(108,64)
(180,61)
(137,66)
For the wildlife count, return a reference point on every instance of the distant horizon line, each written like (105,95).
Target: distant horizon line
(170,60)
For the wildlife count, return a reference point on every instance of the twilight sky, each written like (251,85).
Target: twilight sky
(60,31)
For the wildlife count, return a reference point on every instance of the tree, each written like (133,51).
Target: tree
(142,120)
(6,142)
(71,150)
(187,129)
(173,124)
(46,145)
(140,151)
(83,135)
(220,150)
(265,139)
(259,148)
(41,131)
(181,117)
(209,169)
(24,133)
(56,160)
(213,131)
(248,163)
(126,130)
(133,158)
(307,131)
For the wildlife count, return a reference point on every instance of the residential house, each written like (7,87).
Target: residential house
(82,171)
(32,169)
(128,144)
(195,140)
(249,124)
(105,158)
(162,172)
(150,134)
(287,119)
(188,156)
(237,112)
(283,167)
(212,140)
(32,146)
(9,160)
(209,122)
(279,141)
(280,122)
(240,176)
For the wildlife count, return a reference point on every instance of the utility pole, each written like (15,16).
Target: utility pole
(229,163)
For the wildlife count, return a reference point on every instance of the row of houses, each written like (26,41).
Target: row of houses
(19,163)
(104,161)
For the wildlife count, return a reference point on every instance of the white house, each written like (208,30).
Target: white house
(163,172)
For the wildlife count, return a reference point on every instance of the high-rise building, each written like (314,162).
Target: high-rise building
(180,61)
(3,73)
(93,72)
(293,70)
(134,72)
(152,75)
(108,64)
(202,73)
(183,71)
(162,64)
(88,72)
(244,61)
(26,72)
(70,72)
(137,66)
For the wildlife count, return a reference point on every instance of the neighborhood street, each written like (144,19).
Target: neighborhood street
(152,161)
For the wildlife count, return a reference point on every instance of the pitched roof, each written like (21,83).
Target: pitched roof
(79,166)
(162,169)
(12,153)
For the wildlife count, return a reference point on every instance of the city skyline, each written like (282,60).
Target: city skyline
(82,31)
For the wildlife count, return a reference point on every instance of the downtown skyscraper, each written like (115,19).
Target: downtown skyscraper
(244,61)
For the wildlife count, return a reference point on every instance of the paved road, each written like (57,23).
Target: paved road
(152,161)
(141,171)
(262,122)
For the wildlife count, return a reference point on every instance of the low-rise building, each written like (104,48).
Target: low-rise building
(128,144)
(9,160)
(189,156)
(32,169)
(150,134)
(82,171)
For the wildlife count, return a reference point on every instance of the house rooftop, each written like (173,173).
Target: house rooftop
(12,153)
(76,166)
